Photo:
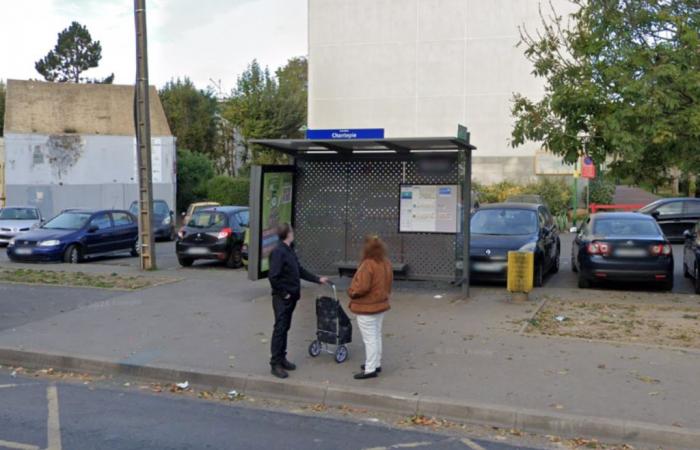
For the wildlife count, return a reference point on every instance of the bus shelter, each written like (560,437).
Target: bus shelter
(414,193)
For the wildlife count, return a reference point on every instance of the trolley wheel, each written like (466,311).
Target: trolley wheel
(315,348)
(341,354)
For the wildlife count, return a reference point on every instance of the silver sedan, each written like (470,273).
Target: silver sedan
(15,220)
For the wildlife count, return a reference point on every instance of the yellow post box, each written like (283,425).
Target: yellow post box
(521,267)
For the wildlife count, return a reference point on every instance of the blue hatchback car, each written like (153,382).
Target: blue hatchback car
(76,234)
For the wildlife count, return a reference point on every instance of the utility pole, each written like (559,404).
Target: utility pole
(142,124)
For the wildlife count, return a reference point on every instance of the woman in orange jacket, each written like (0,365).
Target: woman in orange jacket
(369,299)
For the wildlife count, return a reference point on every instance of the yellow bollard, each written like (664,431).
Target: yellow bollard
(521,266)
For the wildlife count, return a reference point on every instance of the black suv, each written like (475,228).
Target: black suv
(674,215)
(216,234)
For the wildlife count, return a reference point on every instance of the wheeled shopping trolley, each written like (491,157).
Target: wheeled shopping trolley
(334,329)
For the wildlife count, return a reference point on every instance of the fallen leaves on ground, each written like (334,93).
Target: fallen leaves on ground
(79,279)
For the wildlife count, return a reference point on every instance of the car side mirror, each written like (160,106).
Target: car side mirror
(656,214)
(93,228)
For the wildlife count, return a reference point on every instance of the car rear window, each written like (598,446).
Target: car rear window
(626,227)
(504,222)
(207,219)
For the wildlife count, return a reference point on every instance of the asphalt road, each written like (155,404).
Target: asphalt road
(167,260)
(38,414)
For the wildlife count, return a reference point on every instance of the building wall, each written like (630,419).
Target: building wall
(89,171)
(420,67)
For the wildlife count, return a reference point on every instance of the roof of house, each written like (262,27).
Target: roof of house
(60,108)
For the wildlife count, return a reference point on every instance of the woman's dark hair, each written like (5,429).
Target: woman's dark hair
(374,248)
(283,230)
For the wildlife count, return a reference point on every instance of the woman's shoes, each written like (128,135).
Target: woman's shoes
(378,369)
(364,376)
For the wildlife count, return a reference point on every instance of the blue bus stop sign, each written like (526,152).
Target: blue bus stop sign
(359,133)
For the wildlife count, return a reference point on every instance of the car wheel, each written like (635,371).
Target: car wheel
(557,263)
(73,255)
(185,262)
(538,279)
(583,282)
(235,259)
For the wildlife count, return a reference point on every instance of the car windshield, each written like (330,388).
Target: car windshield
(207,219)
(504,222)
(68,221)
(625,227)
(159,209)
(19,214)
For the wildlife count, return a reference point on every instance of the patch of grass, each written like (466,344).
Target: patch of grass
(78,279)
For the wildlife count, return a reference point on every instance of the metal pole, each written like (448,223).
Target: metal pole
(466,218)
(143,142)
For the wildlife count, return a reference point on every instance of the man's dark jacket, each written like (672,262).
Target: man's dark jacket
(286,272)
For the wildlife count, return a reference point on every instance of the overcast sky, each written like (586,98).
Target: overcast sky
(202,39)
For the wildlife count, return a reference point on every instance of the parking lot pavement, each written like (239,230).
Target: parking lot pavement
(37,414)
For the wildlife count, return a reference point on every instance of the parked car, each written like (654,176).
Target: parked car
(163,219)
(74,235)
(17,219)
(526,198)
(215,234)
(622,247)
(675,215)
(194,207)
(499,228)
(691,256)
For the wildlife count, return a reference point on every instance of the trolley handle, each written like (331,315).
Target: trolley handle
(335,292)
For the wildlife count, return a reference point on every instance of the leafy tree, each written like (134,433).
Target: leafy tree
(2,106)
(266,106)
(74,53)
(193,172)
(622,83)
(192,115)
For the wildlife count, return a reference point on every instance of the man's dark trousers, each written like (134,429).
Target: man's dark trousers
(284,308)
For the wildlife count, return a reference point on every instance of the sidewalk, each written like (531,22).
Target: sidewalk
(442,347)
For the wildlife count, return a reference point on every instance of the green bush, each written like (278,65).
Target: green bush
(228,190)
(555,193)
(193,171)
(601,191)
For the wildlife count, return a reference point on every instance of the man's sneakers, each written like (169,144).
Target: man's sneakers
(278,371)
(364,376)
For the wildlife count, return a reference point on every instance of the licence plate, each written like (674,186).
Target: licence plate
(23,251)
(630,252)
(488,267)
(198,251)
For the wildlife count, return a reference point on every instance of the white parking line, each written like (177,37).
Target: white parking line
(53,424)
(3,386)
(471,444)
(17,445)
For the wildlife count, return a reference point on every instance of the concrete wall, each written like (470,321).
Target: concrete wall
(68,170)
(2,172)
(420,67)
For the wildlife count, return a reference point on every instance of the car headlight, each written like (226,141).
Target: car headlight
(49,243)
(11,242)
(166,221)
(529,247)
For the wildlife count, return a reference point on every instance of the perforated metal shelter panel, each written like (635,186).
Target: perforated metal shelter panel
(339,202)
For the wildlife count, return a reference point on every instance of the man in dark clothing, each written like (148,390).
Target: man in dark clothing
(285,277)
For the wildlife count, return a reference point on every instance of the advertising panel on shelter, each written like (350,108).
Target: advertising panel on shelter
(429,208)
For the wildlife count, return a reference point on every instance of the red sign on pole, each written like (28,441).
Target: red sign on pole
(588,168)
